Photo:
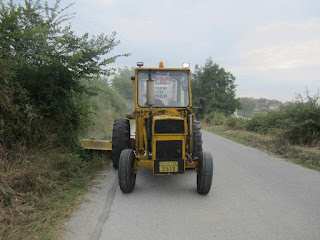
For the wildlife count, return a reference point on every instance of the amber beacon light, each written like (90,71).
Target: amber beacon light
(161,64)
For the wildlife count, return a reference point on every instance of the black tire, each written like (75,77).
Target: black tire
(126,176)
(120,139)
(197,140)
(204,177)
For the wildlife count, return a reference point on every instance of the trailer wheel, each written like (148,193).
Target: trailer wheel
(197,140)
(120,139)
(205,173)
(126,176)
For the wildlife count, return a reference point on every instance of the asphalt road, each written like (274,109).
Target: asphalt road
(253,196)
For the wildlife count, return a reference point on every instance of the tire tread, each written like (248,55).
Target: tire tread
(197,140)
(205,175)
(120,139)
(125,174)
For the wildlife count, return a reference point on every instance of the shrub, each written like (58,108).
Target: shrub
(235,123)
(105,106)
(42,64)
(296,124)
(265,122)
(215,118)
(301,124)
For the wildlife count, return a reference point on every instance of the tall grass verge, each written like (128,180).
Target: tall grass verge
(293,132)
(306,156)
(39,189)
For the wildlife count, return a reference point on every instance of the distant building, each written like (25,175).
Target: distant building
(236,114)
(275,106)
(288,103)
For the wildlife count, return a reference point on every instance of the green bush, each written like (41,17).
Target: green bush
(235,123)
(298,123)
(42,68)
(265,122)
(105,106)
(215,118)
(19,120)
(301,124)
(219,118)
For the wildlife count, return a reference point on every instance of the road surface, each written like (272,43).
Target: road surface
(253,196)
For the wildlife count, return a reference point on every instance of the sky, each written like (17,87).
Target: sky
(272,47)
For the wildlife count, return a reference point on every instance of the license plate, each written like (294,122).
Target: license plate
(168,167)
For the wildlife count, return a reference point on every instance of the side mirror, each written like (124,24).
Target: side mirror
(133,78)
(202,104)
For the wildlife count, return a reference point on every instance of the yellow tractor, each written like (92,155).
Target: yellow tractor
(167,138)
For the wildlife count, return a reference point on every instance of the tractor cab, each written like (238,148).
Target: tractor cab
(171,88)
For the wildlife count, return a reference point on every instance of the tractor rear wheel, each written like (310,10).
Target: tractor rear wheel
(205,173)
(120,139)
(126,175)
(197,140)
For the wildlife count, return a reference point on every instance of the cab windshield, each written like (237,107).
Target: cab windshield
(171,88)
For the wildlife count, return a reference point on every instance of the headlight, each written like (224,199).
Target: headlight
(185,65)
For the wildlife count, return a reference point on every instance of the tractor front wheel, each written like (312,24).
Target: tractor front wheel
(205,173)
(126,175)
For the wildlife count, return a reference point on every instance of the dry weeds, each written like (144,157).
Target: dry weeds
(303,155)
(39,189)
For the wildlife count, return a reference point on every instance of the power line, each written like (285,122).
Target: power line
(97,27)
(84,24)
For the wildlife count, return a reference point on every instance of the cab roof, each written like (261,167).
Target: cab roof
(162,68)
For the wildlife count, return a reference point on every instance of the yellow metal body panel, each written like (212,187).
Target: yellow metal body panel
(145,163)
(168,137)
(193,165)
(141,115)
(102,145)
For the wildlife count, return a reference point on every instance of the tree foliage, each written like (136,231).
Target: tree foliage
(106,106)
(42,65)
(123,84)
(247,106)
(217,86)
(251,106)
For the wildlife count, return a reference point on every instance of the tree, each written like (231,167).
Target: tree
(123,84)
(247,106)
(217,86)
(42,68)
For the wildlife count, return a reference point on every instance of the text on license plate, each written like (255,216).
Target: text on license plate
(168,167)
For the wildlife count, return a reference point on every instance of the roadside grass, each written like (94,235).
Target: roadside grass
(305,156)
(40,188)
